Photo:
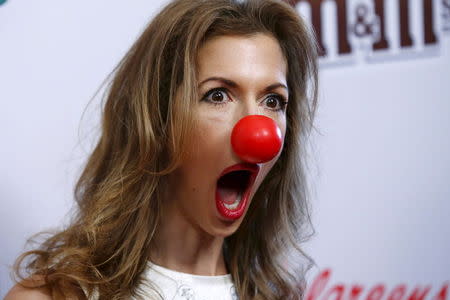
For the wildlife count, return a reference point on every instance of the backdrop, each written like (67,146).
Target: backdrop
(380,163)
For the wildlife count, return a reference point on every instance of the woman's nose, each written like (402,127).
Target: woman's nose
(256,139)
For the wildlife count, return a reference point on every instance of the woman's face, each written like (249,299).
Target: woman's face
(237,76)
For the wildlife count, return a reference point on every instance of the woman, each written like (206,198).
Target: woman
(154,197)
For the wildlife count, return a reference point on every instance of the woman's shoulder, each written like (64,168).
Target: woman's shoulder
(31,289)
(26,293)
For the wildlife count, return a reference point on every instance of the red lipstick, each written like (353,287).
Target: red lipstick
(246,183)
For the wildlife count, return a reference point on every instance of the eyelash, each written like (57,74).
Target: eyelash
(210,92)
(281,99)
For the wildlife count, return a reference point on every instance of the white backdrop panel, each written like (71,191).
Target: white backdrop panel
(381,163)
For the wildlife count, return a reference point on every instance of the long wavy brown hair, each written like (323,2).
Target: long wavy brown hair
(146,120)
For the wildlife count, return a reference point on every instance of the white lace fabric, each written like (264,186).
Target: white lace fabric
(174,285)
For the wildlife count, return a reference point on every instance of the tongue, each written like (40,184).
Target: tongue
(228,195)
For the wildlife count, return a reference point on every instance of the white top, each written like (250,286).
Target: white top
(174,285)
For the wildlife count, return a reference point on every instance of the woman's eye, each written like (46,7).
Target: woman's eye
(276,102)
(216,96)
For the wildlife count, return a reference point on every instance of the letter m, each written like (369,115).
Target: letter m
(316,17)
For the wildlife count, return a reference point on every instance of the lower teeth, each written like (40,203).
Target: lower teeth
(236,203)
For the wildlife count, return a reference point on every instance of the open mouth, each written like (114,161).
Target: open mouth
(233,189)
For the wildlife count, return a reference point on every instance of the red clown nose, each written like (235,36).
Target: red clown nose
(256,139)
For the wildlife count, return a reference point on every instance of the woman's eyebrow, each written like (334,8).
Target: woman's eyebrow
(233,84)
(225,81)
(276,85)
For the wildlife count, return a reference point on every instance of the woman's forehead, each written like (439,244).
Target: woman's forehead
(242,57)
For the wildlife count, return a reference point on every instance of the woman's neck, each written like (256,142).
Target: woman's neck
(179,245)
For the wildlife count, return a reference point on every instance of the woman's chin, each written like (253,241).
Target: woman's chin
(224,228)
